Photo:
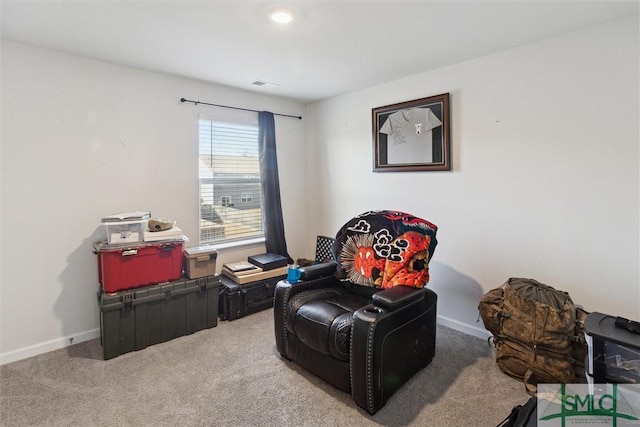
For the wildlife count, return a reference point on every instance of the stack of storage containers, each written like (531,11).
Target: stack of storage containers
(126,260)
(143,296)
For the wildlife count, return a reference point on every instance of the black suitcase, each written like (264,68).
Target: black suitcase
(134,319)
(241,300)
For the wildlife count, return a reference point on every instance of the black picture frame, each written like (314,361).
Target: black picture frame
(412,135)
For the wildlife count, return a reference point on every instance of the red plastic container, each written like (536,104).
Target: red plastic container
(131,266)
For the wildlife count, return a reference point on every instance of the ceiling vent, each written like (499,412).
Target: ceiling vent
(261,83)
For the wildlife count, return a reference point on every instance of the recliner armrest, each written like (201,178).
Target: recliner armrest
(291,289)
(397,297)
(318,270)
(401,317)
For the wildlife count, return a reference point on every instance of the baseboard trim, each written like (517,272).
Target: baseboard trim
(464,327)
(45,347)
(35,350)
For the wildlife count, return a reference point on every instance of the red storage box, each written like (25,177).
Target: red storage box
(123,267)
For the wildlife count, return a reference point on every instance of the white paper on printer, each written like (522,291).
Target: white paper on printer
(123,216)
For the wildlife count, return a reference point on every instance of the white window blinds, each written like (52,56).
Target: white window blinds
(230,191)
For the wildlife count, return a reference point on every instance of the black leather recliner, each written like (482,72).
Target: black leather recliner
(368,334)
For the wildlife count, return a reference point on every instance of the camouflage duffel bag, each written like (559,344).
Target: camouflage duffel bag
(534,331)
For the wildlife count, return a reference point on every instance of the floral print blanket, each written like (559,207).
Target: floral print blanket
(386,248)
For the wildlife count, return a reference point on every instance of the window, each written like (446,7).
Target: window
(230,191)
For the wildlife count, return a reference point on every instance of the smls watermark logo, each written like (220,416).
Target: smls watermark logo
(615,405)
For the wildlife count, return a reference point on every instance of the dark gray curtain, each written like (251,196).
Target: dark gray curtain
(274,225)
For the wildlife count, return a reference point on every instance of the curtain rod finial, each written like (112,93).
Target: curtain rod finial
(182,100)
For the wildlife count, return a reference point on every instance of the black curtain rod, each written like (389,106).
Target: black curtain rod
(235,108)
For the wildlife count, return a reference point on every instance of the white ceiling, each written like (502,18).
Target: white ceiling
(332,47)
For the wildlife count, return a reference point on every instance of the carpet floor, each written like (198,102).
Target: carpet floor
(232,375)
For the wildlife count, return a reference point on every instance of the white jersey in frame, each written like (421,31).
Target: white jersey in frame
(409,136)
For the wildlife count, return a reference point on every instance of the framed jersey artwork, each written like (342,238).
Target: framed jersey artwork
(412,135)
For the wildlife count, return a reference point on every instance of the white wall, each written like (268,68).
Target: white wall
(545,171)
(545,181)
(84,138)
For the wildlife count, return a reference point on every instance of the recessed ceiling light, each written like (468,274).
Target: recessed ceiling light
(281,16)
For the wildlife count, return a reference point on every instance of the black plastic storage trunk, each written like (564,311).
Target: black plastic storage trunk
(240,300)
(137,318)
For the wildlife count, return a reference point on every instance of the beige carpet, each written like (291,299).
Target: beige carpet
(232,375)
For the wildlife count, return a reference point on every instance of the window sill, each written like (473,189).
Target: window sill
(238,245)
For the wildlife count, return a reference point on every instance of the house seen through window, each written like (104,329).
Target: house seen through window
(230,191)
